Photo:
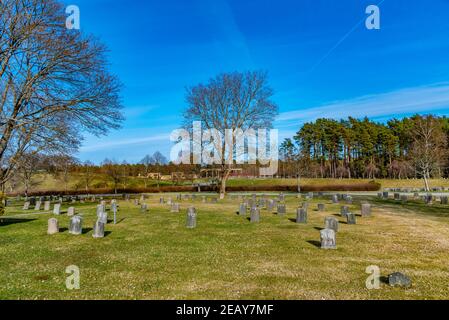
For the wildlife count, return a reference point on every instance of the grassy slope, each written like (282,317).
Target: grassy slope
(48,182)
(154,256)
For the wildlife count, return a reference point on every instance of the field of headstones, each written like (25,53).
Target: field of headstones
(247,246)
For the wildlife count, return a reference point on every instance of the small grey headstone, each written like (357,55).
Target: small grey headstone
(242,209)
(53,226)
(331,223)
(37,207)
(103,217)
(282,210)
(398,279)
(301,215)
(57,209)
(321,207)
(344,211)
(144,208)
(98,229)
(328,239)
(175,208)
(26,205)
(255,215)
(335,198)
(71,211)
(191,218)
(76,225)
(47,205)
(366,210)
(351,219)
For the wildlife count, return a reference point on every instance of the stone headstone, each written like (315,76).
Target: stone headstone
(242,209)
(76,225)
(57,209)
(331,223)
(366,210)
(161,200)
(350,218)
(404,198)
(175,207)
(47,205)
(310,195)
(282,210)
(301,215)
(349,200)
(281,197)
(37,207)
(344,211)
(398,279)
(321,207)
(255,215)
(203,199)
(144,208)
(26,205)
(328,239)
(71,211)
(397,196)
(136,202)
(444,200)
(103,217)
(53,226)
(114,208)
(334,198)
(169,201)
(191,218)
(100,209)
(385,194)
(305,205)
(98,229)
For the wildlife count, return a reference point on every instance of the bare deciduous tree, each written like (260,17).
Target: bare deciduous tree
(87,174)
(53,83)
(231,101)
(428,151)
(112,170)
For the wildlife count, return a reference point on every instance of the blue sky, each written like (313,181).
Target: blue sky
(321,60)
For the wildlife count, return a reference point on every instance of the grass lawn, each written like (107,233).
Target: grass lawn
(153,255)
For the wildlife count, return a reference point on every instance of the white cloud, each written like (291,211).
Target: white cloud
(125,142)
(429,99)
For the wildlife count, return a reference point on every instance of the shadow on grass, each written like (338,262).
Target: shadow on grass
(418,207)
(319,229)
(10,221)
(315,243)
(292,220)
(87,230)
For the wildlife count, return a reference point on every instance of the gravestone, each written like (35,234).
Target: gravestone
(76,225)
(397,196)
(98,229)
(71,211)
(444,200)
(331,223)
(321,207)
(144,208)
(53,226)
(191,218)
(26,205)
(114,208)
(310,195)
(398,279)
(100,209)
(270,205)
(57,209)
(242,209)
(305,205)
(136,202)
(404,198)
(281,197)
(301,215)
(47,205)
(349,200)
(175,208)
(350,218)
(255,215)
(32,201)
(103,217)
(366,210)
(428,199)
(385,194)
(203,199)
(161,200)
(334,198)
(328,239)
(282,210)
(344,211)
(169,201)
(379,195)
(37,207)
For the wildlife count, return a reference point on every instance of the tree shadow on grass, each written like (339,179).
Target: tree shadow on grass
(10,221)
(315,243)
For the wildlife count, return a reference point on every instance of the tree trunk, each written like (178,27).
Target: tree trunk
(426,182)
